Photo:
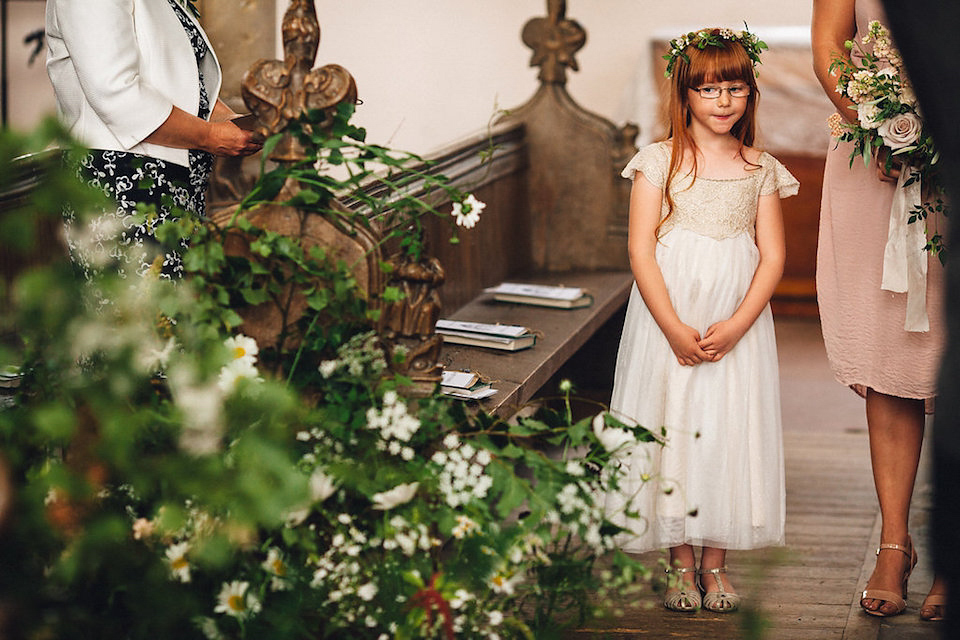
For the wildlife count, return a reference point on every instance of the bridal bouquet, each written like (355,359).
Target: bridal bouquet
(889,121)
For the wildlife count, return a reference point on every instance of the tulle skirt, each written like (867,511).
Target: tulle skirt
(717,477)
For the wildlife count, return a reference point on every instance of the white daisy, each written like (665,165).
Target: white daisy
(467,213)
(234,600)
(277,568)
(177,559)
(242,348)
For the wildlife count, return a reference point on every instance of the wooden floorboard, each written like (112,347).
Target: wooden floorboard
(809,589)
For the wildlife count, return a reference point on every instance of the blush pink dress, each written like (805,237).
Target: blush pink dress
(862,324)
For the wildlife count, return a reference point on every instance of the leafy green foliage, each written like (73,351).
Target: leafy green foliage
(175,480)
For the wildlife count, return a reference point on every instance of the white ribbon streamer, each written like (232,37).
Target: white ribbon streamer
(905,256)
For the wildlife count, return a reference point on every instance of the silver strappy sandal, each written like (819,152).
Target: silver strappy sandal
(680,598)
(720,601)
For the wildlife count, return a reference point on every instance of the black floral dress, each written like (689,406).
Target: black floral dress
(117,238)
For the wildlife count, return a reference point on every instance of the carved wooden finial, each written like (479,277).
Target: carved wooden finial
(279,92)
(554,41)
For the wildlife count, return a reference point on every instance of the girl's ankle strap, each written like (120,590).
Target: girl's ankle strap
(713,571)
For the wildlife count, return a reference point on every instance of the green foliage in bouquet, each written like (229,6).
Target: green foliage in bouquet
(888,120)
(171,481)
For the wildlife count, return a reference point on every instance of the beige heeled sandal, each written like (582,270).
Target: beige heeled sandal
(898,600)
(720,601)
(679,598)
(933,607)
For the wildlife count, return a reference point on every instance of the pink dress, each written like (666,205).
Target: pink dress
(862,324)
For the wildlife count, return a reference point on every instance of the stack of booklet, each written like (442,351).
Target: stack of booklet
(542,295)
(9,382)
(507,337)
(465,385)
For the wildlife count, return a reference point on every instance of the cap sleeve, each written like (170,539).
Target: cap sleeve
(776,178)
(650,161)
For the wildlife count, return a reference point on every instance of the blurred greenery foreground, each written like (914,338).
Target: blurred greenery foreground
(163,476)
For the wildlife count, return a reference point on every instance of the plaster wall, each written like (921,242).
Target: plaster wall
(433,71)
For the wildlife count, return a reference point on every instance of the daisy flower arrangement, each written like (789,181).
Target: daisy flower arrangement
(185,484)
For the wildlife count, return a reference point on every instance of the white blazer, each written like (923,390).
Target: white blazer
(118,68)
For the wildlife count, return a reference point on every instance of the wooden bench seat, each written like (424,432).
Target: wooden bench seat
(517,376)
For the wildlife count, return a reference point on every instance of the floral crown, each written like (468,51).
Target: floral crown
(715,38)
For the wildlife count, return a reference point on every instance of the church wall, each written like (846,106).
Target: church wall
(432,71)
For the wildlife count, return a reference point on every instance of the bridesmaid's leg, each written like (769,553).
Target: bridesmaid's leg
(895,426)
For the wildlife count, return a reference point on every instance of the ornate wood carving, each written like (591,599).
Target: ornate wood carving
(554,41)
(575,157)
(280,91)
(409,324)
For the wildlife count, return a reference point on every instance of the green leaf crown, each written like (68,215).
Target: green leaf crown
(714,38)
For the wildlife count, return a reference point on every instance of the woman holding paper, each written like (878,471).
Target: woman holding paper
(874,347)
(137,82)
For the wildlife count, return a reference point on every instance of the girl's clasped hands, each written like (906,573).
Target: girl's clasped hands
(692,349)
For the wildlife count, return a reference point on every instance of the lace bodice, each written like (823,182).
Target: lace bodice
(716,208)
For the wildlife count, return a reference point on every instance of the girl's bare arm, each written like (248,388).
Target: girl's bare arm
(645,203)
(721,337)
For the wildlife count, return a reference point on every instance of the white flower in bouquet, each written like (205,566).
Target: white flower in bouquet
(901,131)
(869,115)
(235,601)
(908,96)
(400,494)
(860,87)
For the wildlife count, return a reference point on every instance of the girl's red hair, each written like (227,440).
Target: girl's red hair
(710,64)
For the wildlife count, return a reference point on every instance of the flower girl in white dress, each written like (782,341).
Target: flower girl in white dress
(698,355)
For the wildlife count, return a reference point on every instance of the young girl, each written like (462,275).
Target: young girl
(697,355)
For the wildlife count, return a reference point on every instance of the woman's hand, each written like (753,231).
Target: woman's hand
(227,139)
(720,338)
(684,340)
(184,131)
(887,175)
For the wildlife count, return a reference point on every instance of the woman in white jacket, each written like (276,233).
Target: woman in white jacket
(137,82)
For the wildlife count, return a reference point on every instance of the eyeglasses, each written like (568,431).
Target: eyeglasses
(712,93)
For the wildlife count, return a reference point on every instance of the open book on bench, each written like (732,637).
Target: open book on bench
(506,337)
(543,295)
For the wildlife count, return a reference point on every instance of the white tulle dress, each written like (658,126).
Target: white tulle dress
(718,478)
